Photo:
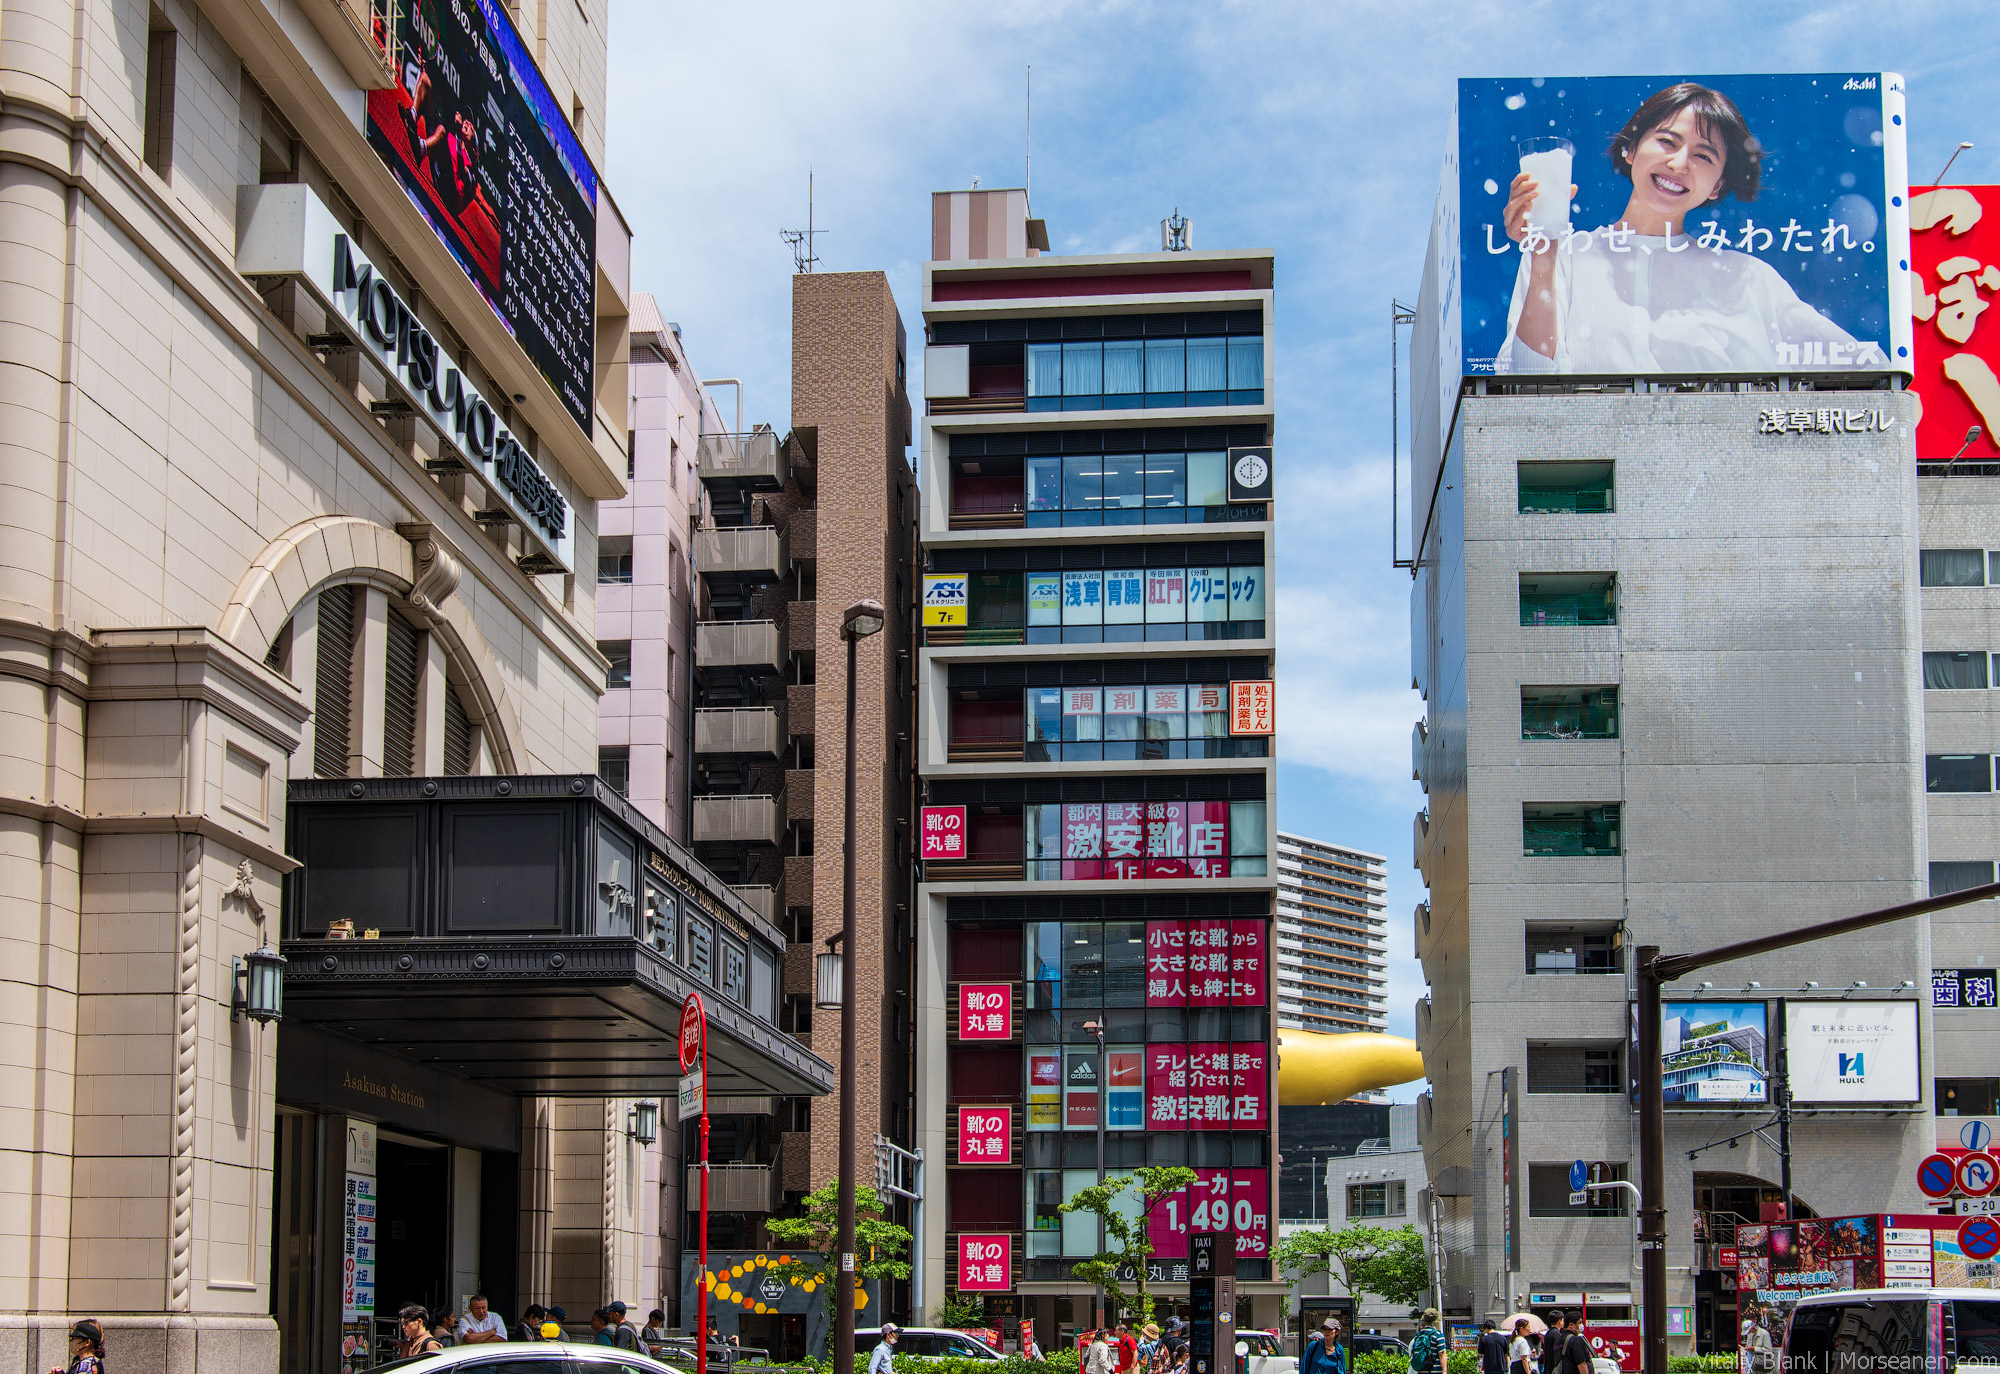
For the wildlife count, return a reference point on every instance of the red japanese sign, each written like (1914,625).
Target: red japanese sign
(943,832)
(986,1011)
(1206,963)
(1615,1341)
(985,1135)
(1210,1086)
(985,1263)
(1954,277)
(1128,840)
(1253,708)
(1237,1200)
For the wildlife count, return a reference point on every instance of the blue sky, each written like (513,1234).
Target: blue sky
(1312,129)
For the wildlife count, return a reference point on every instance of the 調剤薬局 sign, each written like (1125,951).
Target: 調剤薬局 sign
(287,231)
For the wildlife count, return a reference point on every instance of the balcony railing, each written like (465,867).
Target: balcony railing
(1572,832)
(756,459)
(754,730)
(760,898)
(733,1187)
(754,645)
(985,751)
(752,551)
(737,820)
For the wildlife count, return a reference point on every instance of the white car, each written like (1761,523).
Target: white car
(1258,1352)
(529,1357)
(929,1342)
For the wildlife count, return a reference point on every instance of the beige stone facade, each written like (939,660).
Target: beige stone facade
(192,484)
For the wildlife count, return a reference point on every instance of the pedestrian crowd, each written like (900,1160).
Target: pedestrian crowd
(424,1331)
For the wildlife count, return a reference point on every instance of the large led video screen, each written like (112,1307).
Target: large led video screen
(1683,226)
(476,138)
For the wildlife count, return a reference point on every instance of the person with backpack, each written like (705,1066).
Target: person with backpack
(623,1336)
(1575,1356)
(1427,1346)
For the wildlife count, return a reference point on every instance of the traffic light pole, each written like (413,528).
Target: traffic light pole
(1656,970)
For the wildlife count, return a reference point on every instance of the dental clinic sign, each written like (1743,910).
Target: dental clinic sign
(1852,1051)
(287,231)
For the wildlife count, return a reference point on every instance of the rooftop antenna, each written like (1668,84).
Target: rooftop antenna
(1028,143)
(1948,161)
(801,240)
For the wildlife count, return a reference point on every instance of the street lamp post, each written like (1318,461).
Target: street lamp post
(862,619)
(1655,971)
(1103,1104)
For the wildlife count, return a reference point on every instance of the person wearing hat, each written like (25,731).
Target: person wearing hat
(883,1360)
(1427,1348)
(86,1350)
(1324,1355)
(622,1334)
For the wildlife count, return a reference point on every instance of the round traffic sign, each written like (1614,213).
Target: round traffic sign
(1937,1175)
(1975,1135)
(1977,1174)
(1579,1175)
(1979,1238)
(694,1031)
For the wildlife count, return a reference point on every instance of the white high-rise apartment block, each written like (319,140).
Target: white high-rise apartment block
(1332,960)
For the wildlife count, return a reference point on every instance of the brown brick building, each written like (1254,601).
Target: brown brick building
(799,530)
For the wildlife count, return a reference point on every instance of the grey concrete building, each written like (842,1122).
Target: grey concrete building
(1671,671)
(1959,521)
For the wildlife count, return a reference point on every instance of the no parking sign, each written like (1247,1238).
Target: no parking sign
(1979,1238)
(1937,1176)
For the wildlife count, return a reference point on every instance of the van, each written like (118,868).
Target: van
(1894,1331)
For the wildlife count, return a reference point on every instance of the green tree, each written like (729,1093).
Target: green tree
(1126,1230)
(959,1312)
(1384,1260)
(880,1246)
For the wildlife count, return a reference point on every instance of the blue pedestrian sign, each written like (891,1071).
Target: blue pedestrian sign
(1975,1135)
(1979,1238)
(1579,1175)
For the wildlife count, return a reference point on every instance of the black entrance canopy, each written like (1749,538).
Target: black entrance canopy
(534,934)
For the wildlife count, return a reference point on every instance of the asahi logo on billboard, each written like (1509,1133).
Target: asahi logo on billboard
(288,232)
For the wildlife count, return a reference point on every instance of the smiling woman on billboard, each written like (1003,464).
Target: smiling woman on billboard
(1640,295)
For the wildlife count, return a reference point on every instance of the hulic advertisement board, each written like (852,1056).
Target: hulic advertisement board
(476,139)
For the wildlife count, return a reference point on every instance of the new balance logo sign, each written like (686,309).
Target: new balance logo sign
(1851,1070)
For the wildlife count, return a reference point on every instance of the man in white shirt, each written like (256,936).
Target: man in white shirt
(883,1360)
(479,1326)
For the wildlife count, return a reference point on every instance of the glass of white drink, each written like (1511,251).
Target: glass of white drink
(1547,161)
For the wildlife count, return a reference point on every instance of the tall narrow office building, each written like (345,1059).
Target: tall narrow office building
(1332,960)
(1096,893)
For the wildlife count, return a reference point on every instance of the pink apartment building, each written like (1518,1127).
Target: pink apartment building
(645,585)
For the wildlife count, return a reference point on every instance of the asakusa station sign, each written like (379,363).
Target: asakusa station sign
(289,232)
